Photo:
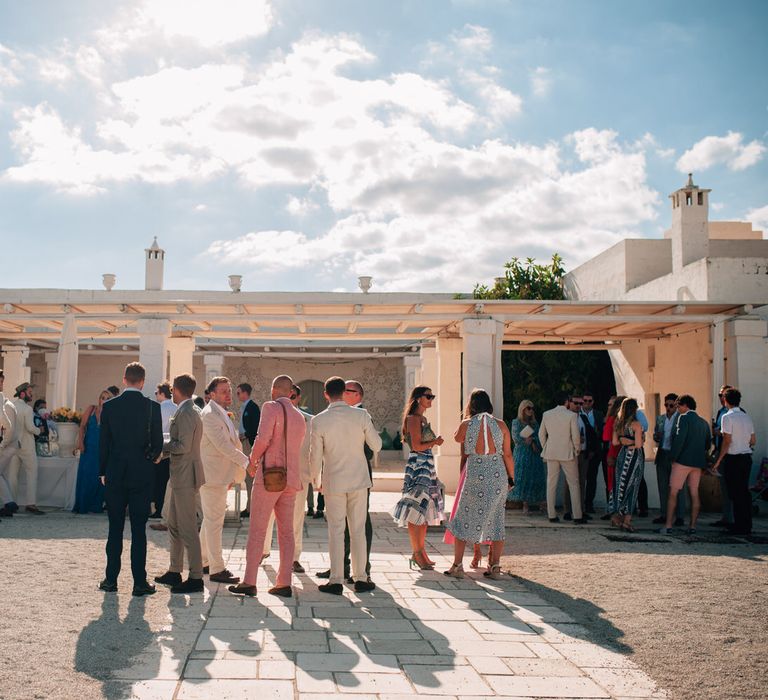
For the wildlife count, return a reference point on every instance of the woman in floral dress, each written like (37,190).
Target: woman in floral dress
(530,472)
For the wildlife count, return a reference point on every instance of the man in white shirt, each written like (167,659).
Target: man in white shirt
(8,447)
(26,457)
(336,442)
(224,463)
(738,433)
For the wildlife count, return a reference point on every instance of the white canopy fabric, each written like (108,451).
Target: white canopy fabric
(65,388)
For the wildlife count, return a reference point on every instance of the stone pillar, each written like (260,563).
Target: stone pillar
(482,359)
(51,360)
(153,351)
(15,367)
(449,407)
(214,366)
(412,366)
(427,374)
(180,355)
(718,361)
(747,352)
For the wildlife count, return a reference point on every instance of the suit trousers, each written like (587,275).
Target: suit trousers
(264,502)
(368,539)
(7,494)
(213,499)
(247,447)
(298,525)
(736,470)
(348,508)
(160,482)
(571,471)
(583,469)
(136,500)
(26,458)
(594,460)
(181,516)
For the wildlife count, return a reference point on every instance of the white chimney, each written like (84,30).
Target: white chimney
(155,261)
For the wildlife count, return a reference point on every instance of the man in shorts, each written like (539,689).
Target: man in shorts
(690,445)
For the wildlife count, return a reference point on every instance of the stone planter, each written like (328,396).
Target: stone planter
(67,433)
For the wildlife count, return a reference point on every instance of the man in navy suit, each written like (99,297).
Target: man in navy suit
(131,440)
(250,416)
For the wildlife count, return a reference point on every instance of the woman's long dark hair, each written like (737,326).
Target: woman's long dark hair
(413,401)
(627,413)
(479,402)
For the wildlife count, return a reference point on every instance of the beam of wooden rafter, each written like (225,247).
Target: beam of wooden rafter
(402,327)
(302,325)
(352,327)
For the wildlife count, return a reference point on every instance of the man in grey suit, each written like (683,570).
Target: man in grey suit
(690,446)
(186,478)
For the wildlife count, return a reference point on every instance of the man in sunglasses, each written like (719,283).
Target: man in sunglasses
(662,436)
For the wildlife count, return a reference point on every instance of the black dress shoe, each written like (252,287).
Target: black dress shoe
(191,585)
(324,574)
(318,514)
(245,514)
(311,512)
(144,588)
(567,516)
(225,576)
(349,580)
(169,578)
(5,513)
(363,586)
(554,520)
(108,586)
(579,521)
(242,589)
(334,588)
(679,522)
(206,570)
(282,591)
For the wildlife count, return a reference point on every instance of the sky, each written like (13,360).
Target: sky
(424,143)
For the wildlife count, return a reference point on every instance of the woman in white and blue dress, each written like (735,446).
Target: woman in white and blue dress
(490,469)
(422,500)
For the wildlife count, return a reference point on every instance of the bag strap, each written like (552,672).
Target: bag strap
(285,434)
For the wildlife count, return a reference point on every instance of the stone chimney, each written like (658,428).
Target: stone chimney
(155,261)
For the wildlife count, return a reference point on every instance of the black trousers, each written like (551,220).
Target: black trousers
(160,482)
(368,540)
(736,471)
(136,500)
(593,467)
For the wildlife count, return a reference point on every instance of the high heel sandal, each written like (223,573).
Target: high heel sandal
(476,562)
(456,571)
(414,563)
(493,572)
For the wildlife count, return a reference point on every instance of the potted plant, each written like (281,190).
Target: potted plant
(67,426)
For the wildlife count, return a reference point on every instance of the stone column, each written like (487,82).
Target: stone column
(214,366)
(481,340)
(449,407)
(747,353)
(180,354)
(412,366)
(427,374)
(15,367)
(153,351)
(51,360)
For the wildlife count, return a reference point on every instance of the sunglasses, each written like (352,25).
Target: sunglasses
(351,391)
(670,405)
(430,397)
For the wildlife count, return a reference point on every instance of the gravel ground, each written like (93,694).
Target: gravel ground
(691,614)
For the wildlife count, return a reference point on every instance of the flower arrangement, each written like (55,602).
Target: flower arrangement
(65,415)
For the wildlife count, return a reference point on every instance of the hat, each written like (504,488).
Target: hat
(23,387)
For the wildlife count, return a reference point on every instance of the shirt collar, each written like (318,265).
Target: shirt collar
(131,388)
(336,404)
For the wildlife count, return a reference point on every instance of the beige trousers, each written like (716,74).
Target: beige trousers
(27,459)
(571,470)
(181,516)
(342,509)
(213,499)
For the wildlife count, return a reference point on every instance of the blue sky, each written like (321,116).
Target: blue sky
(301,144)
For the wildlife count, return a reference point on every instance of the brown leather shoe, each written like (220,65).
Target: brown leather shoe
(282,591)
(225,576)
(158,526)
(297,568)
(243,589)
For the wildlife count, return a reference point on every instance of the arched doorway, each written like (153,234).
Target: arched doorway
(312,396)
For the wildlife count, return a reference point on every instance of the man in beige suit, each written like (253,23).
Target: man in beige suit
(560,444)
(185,430)
(338,466)
(224,464)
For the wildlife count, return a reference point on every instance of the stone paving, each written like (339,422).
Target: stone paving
(418,632)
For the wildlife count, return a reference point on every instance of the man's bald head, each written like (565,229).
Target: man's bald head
(282,385)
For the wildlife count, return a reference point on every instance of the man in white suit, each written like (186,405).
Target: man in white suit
(338,466)
(224,464)
(560,445)
(9,445)
(26,456)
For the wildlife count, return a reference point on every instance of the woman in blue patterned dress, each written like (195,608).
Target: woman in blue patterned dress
(422,501)
(530,472)
(630,465)
(89,492)
(489,474)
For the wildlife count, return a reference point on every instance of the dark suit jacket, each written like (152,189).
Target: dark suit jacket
(594,435)
(251,418)
(125,440)
(691,439)
(185,434)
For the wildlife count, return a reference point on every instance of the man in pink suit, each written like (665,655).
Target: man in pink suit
(270,449)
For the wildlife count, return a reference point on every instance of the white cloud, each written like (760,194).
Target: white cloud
(9,66)
(729,150)
(541,81)
(473,40)
(717,206)
(500,103)
(758,217)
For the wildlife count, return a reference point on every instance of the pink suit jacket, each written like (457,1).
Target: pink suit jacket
(268,446)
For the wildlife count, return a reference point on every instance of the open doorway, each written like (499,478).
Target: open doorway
(312,396)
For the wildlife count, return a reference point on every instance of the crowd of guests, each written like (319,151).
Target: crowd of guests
(579,440)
